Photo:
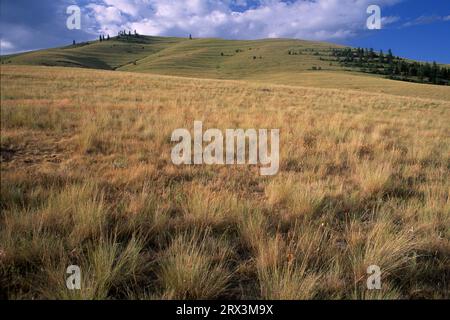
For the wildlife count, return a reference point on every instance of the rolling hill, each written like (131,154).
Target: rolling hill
(226,59)
(278,61)
(107,55)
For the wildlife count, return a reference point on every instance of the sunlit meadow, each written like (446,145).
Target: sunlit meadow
(87,179)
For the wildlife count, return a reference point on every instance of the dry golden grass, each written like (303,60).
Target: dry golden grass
(334,79)
(87,179)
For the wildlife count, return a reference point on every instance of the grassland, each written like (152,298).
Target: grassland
(356,82)
(86,179)
(106,55)
(264,61)
(202,58)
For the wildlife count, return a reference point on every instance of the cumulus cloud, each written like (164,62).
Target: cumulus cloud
(29,25)
(236,19)
(106,15)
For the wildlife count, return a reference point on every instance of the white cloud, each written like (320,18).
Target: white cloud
(130,7)
(6,46)
(313,20)
(389,20)
(106,15)
(426,20)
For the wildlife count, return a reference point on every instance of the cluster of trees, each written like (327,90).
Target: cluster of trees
(102,38)
(124,33)
(391,66)
(294,52)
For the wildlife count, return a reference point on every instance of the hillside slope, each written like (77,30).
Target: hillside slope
(107,55)
(357,82)
(278,61)
(228,59)
(177,56)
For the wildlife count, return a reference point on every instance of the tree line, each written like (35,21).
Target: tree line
(392,66)
(125,34)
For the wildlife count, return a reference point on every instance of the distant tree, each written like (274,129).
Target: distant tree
(349,55)
(381,55)
(412,71)
(421,72)
(435,73)
(427,70)
(101,39)
(371,53)
(390,57)
(445,73)
(397,70)
(108,38)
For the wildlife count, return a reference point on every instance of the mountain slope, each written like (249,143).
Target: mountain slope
(227,59)
(278,61)
(108,55)
(216,58)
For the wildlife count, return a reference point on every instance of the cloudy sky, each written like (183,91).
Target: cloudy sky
(412,28)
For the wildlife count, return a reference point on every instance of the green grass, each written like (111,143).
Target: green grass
(107,55)
(266,61)
(228,59)
(213,58)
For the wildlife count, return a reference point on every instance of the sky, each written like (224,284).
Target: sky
(413,29)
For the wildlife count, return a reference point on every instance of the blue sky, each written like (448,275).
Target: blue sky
(411,28)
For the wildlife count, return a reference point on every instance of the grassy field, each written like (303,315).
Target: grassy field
(203,58)
(356,82)
(230,59)
(87,179)
(107,55)
(264,61)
